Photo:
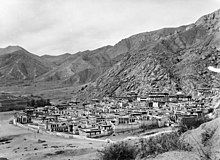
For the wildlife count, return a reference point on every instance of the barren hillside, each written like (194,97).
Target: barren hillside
(169,59)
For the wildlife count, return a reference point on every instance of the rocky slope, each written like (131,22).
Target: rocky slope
(18,64)
(169,59)
(204,140)
(82,67)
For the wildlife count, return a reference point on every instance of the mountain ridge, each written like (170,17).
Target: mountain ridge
(173,59)
(18,63)
(169,59)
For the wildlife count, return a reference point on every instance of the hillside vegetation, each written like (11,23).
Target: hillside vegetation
(201,144)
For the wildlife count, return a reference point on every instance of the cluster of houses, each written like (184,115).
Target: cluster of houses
(114,115)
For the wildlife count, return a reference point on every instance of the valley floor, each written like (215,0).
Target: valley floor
(55,91)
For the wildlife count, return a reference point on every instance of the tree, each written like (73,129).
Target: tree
(32,103)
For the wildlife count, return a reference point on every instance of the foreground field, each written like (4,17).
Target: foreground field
(17,143)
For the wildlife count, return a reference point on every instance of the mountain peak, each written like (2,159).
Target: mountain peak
(17,63)
(14,48)
(210,19)
(10,49)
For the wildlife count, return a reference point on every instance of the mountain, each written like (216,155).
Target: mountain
(78,68)
(10,49)
(84,67)
(18,64)
(87,66)
(169,59)
(56,60)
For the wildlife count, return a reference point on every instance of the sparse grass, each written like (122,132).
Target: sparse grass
(118,151)
(207,135)
(203,153)
(204,148)
(148,147)
(163,143)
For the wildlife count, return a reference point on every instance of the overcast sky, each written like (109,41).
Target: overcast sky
(60,26)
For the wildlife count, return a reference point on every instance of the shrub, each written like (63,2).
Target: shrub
(182,129)
(163,143)
(146,127)
(118,151)
(40,141)
(207,135)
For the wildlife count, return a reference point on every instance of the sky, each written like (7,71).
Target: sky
(56,27)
